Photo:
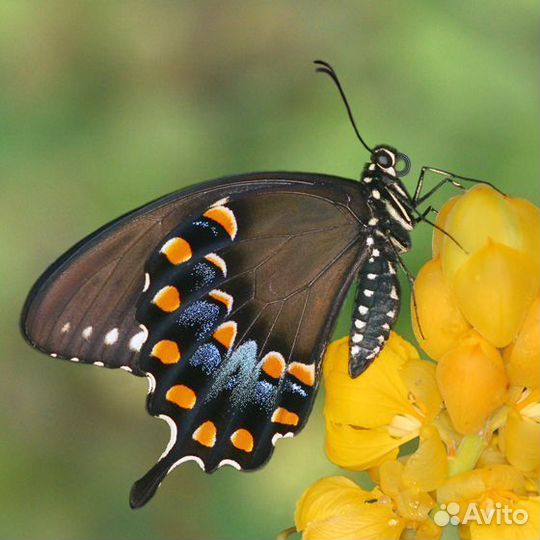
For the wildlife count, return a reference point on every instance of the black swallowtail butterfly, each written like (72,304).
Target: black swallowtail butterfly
(225,295)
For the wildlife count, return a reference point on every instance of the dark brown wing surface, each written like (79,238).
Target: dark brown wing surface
(224,296)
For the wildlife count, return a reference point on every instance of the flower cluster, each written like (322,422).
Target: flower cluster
(473,411)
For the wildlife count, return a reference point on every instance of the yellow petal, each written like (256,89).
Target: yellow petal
(419,378)
(336,507)
(390,475)
(427,468)
(528,216)
(472,485)
(478,216)
(494,289)
(326,498)
(519,440)
(523,356)
(442,216)
(530,511)
(374,398)
(472,382)
(359,449)
(440,318)
(369,522)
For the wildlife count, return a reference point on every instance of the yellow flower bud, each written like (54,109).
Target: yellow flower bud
(496,278)
(494,289)
(442,216)
(337,508)
(482,214)
(472,382)
(440,318)
(523,355)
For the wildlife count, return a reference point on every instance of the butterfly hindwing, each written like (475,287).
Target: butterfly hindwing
(234,358)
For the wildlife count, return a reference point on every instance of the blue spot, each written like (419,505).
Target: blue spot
(295,389)
(207,358)
(238,373)
(201,317)
(203,275)
(264,394)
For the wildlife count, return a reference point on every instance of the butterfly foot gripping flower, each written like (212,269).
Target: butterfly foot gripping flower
(473,410)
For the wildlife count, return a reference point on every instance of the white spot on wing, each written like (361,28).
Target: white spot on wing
(368,293)
(74,359)
(151,383)
(139,339)
(196,459)
(87,332)
(173,433)
(357,338)
(393,294)
(66,328)
(359,324)
(231,463)
(362,310)
(146,281)
(53,355)
(99,364)
(278,436)
(111,337)
(355,349)
(126,368)
(221,202)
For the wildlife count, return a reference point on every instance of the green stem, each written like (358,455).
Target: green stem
(450,532)
(469,451)
(283,535)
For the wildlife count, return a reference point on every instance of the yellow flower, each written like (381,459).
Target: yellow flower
(337,508)
(518,437)
(441,321)
(472,381)
(499,263)
(523,355)
(360,435)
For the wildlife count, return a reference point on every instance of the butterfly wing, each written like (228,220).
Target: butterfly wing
(224,296)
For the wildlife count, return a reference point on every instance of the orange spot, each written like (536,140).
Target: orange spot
(222,297)
(225,217)
(303,372)
(167,299)
(177,250)
(243,440)
(273,364)
(216,260)
(283,416)
(205,434)
(167,351)
(181,395)
(226,334)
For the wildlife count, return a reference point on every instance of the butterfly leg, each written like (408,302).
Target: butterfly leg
(450,178)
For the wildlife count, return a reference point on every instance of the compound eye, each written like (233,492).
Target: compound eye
(403,164)
(384,159)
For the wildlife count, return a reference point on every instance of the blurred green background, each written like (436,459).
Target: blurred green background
(106,105)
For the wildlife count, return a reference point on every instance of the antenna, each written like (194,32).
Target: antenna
(329,70)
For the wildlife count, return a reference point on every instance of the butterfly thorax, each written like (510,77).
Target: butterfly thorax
(390,204)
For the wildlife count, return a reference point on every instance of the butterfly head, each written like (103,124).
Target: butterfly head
(389,161)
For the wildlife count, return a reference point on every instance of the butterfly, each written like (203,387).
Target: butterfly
(225,295)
